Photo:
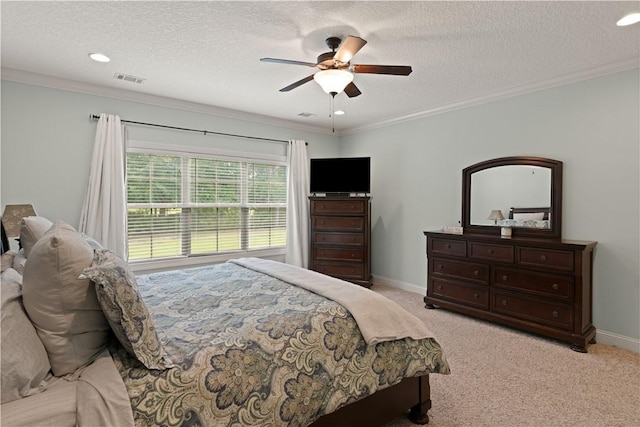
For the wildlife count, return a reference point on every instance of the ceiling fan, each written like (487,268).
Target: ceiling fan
(336,70)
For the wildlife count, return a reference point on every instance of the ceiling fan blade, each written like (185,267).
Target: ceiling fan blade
(296,84)
(352,90)
(349,48)
(288,61)
(396,70)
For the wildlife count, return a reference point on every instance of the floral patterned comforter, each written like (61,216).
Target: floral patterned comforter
(252,350)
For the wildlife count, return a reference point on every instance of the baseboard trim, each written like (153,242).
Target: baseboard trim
(616,340)
(602,337)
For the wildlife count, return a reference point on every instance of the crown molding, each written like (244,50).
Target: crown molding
(509,93)
(36,79)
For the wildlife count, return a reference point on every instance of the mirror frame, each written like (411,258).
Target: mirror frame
(555,226)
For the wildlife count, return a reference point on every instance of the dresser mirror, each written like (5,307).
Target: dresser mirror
(525,191)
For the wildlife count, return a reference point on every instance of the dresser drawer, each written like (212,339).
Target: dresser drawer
(341,207)
(326,238)
(448,247)
(475,296)
(502,253)
(542,312)
(337,223)
(547,258)
(343,271)
(560,287)
(475,272)
(344,254)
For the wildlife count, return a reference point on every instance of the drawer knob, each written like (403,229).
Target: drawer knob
(353,255)
(440,266)
(555,286)
(504,278)
(476,295)
(439,287)
(504,302)
(476,273)
(324,238)
(490,251)
(448,246)
(554,314)
(543,257)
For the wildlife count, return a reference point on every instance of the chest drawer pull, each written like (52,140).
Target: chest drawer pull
(543,257)
(555,286)
(490,251)
(476,273)
(440,266)
(504,302)
(439,287)
(504,278)
(555,313)
(476,295)
(448,246)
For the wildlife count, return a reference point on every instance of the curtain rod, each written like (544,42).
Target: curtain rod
(205,132)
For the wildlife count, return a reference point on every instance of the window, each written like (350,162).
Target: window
(185,204)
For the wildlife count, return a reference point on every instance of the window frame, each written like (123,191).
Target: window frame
(191,260)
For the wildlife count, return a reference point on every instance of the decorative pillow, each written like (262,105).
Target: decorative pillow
(63,308)
(19,262)
(528,216)
(130,320)
(91,241)
(25,365)
(6,260)
(31,229)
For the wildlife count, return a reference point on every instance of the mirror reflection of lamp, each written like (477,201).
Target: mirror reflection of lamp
(496,215)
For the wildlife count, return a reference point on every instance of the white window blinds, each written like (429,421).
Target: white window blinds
(195,204)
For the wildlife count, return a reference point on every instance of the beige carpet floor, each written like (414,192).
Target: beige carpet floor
(503,377)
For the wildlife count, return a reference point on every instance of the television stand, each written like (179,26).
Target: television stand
(341,236)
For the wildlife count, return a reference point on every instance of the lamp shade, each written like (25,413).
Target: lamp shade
(333,81)
(496,215)
(12,217)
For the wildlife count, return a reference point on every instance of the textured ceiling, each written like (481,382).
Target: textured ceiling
(208,52)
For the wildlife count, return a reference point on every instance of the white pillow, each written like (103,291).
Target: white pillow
(63,308)
(25,365)
(31,229)
(537,216)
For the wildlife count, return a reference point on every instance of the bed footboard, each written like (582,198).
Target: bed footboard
(411,394)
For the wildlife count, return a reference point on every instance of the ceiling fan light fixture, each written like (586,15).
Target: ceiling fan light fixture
(630,19)
(333,81)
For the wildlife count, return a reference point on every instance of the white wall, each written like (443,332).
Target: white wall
(47,141)
(591,126)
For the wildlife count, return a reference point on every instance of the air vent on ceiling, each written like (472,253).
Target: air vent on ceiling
(307,114)
(128,78)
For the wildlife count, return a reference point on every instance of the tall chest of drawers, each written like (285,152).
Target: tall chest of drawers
(540,286)
(340,237)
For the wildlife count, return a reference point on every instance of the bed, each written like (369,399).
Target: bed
(528,217)
(247,342)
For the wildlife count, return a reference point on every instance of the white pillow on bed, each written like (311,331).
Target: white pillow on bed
(63,308)
(25,365)
(537,216)
(31,229)
(130,320)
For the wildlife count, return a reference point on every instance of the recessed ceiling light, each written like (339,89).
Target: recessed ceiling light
(338,112)
(100,57)
(630,19)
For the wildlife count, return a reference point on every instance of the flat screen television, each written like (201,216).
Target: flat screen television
(340,175)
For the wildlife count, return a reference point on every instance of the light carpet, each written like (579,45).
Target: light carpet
(504,377)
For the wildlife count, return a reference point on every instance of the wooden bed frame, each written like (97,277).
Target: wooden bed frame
(530,210)
(412,395)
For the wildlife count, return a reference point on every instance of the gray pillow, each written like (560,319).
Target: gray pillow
(31,229)
(130,320)
(63,308)
(25,365)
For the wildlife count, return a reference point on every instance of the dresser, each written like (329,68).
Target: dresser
(537,285)
(341,237)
